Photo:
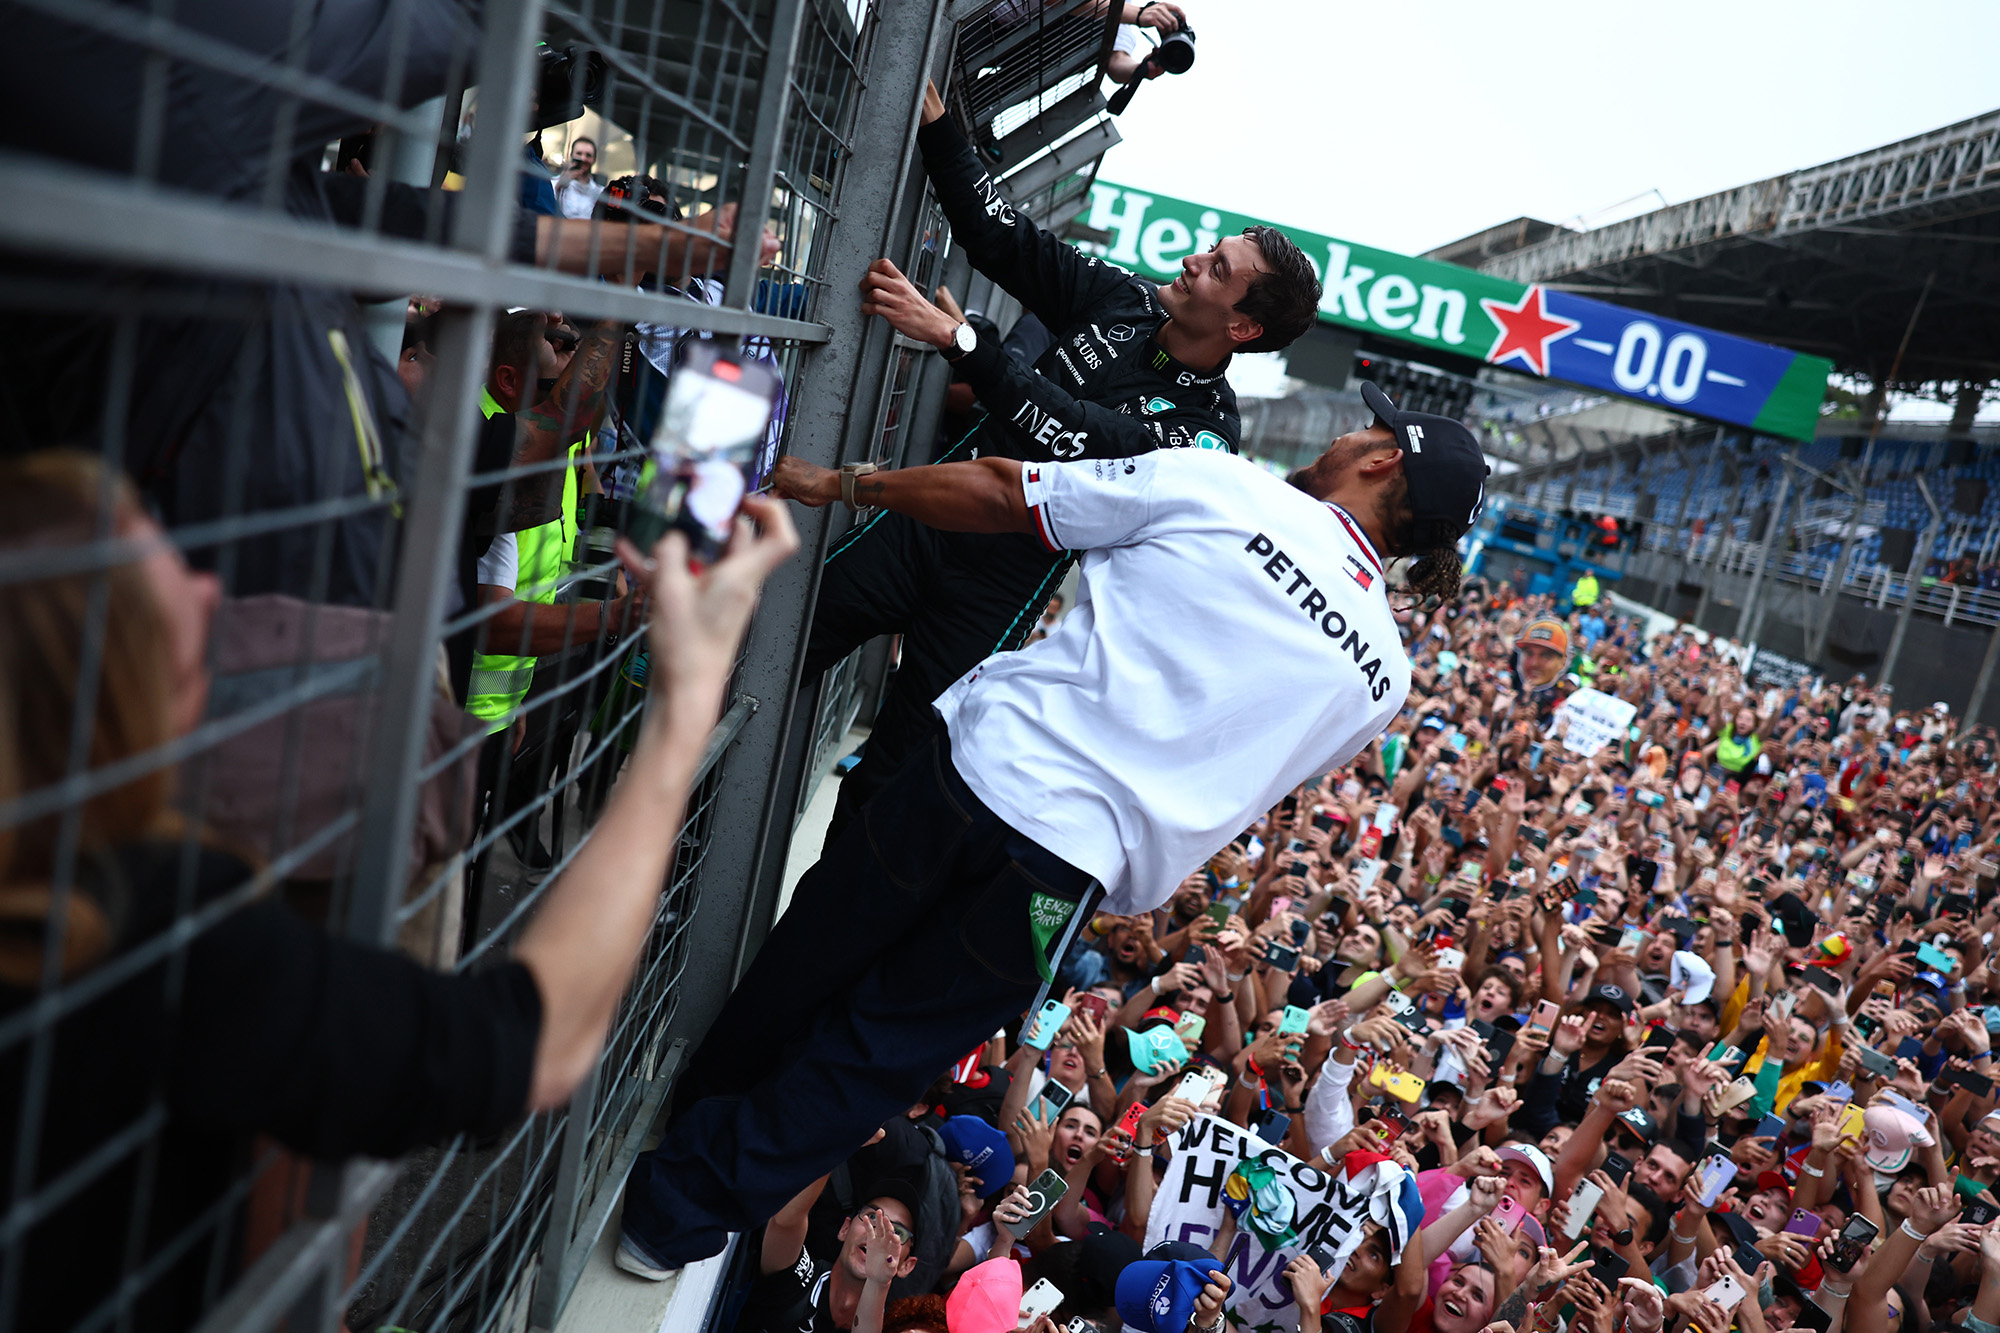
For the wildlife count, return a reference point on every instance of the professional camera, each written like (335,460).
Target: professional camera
(1174,55)
(566,81)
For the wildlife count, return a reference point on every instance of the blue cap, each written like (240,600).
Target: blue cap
(981,1148)
(1158,1295)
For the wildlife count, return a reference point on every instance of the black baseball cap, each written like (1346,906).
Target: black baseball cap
(1640,1121)
(1614,996)
(1442,460)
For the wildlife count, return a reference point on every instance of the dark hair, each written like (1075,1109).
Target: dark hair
(1658,1209)
(1506,978)
(926,1311)
(581,138)
(1285,300)
(514,338)
(1435,573)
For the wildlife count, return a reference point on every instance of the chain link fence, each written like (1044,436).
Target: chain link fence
(263,260)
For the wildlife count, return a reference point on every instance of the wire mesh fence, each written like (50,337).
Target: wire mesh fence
(310,352)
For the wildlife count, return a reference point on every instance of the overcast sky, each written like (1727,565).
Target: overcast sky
(1406,125)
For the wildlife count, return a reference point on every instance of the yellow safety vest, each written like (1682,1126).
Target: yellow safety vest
(500,681)
(1585,592)
(1737,755)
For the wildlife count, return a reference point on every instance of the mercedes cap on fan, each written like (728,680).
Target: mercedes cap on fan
(1446,471)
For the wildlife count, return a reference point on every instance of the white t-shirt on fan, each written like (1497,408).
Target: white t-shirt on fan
(1232,639)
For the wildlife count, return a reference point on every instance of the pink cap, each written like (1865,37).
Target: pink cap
(986,1300)
(1892,1137)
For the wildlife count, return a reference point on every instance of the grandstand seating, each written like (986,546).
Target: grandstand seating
(1732,479)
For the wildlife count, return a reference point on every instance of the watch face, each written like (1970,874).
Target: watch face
(964,337)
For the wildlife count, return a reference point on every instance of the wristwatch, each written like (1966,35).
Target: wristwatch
(963,339)
(849,474)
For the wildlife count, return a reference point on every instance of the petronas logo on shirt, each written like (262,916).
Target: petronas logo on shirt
(1158,405)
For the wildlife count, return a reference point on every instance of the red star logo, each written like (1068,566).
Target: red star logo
(1526,330)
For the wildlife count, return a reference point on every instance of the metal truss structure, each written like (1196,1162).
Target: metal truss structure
(1832,259)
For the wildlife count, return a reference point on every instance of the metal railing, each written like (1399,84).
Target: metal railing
(1875,584)
(223,337)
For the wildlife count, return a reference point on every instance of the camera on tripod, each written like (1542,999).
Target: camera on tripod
(1174,55)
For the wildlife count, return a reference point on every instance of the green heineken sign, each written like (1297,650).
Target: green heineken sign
(1553,334)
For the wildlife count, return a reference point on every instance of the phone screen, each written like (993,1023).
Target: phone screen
(705,449)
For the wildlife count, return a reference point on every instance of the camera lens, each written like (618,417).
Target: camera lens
(1175,54)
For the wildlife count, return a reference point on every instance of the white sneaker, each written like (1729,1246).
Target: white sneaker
(633,1260)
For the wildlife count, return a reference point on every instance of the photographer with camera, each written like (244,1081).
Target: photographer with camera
(1134,366)
(1165,19)
(577,186)
(1173,53)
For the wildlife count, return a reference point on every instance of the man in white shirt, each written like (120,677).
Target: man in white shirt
(1233,638)
(576,184)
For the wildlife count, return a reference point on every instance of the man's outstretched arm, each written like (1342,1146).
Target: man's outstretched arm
(983,495)
(1045,273)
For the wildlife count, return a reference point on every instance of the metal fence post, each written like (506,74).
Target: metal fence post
(774,101)
(411,161)
(435,509)
(433,512)
(1910,581)
(1746,622)
(1816,632)
(752,826)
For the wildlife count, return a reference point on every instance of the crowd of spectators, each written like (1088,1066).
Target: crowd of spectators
(1689,1027)
(1690,1032)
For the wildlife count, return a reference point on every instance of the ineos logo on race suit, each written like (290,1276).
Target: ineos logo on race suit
(1049,432)
(994,202)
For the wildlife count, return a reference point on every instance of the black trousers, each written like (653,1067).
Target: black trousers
(955,597)
(903,948)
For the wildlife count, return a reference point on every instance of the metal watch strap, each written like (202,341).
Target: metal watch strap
(848,473)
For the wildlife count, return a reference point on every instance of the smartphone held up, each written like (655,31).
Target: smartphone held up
(706,449)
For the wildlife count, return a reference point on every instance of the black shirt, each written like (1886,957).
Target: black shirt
(791,1300)
(269,1026)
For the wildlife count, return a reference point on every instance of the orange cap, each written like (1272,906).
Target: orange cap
(1550,633)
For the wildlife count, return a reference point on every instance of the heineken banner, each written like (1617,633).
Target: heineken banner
(1557,335)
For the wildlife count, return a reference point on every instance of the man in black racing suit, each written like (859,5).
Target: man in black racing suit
(1134,366)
